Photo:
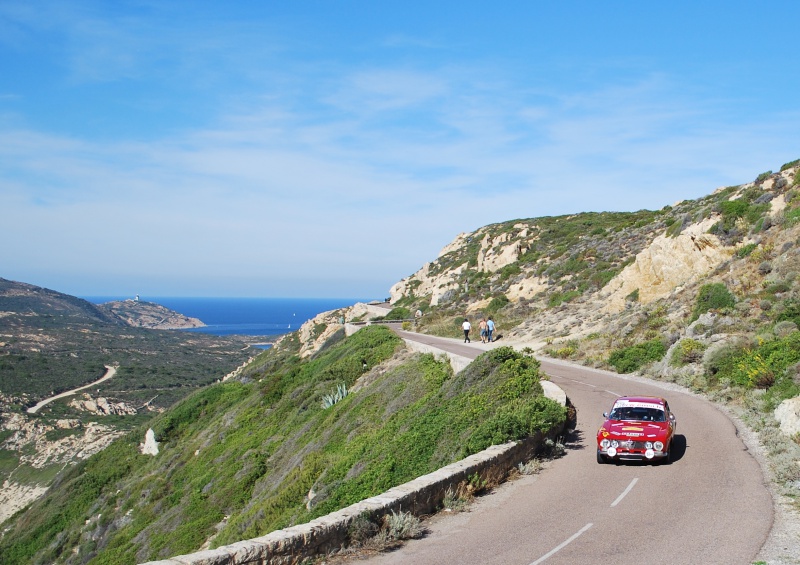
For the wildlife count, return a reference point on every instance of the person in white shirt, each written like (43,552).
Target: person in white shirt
(466,327)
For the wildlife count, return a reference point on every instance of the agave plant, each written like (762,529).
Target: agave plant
(329,400)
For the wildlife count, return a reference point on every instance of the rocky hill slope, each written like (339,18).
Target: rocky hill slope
(141,314)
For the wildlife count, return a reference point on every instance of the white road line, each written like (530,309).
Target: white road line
(624,493)
(562,545)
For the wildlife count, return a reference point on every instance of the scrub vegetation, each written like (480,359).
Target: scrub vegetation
(242,458)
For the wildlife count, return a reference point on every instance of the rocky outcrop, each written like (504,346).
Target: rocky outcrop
(495,253)
(667,263)
(102,406)
(141,314)
(315,332)
(788,415)
(41,446)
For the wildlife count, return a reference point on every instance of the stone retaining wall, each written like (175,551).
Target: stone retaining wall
(328,534)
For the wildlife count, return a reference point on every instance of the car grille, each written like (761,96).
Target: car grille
(630,445)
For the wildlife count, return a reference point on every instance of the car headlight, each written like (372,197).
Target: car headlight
(659,446)
(605,443)
(648,445)
(614,444)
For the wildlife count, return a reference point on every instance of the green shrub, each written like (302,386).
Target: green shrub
(763,365)
(633,358)
(763,176)
(497,303)
(790,312)
(558,298)
(509,271)
(687,351)
(790,164)
(746,250)
(398,313)
(712,296)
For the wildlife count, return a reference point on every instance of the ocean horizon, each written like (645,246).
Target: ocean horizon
(243,316)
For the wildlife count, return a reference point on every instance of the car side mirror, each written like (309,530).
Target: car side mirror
(605,414)
(672,417)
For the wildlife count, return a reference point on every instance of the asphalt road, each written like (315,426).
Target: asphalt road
(709,506)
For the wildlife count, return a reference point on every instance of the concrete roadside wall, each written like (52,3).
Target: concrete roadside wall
(457,362)
(329,533)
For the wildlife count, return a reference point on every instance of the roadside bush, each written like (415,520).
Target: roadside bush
(361,530)
(400,526)
(516,420)
(633,358)
(713,296)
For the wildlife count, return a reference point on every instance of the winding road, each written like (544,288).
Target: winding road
(709,506)
(110,372)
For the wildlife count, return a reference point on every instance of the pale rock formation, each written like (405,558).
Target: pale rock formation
(496,253)
(434,285)
(14,497)
(788,414)
(526,288)
(459,242)
(777,204)
(29,442)
(311,341)
(101,406)
(667,263)
(150,445)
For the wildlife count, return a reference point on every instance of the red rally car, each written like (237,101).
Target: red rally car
(638,428)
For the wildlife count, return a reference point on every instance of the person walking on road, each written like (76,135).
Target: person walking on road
(466,326)
(489,329)
(482,327)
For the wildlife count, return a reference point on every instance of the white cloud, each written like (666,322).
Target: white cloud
(324,170)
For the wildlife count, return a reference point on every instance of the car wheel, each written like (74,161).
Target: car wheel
(601,458)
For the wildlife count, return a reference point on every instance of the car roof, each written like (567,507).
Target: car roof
(642,399)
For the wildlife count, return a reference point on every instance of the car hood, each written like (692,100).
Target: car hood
(646,430)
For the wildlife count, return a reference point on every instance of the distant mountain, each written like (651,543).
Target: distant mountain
(21,300)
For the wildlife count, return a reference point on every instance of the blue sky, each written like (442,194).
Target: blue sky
(329,149)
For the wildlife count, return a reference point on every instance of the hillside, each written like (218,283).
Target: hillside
(703,293)
(50,343)
(290,440)
(141,314)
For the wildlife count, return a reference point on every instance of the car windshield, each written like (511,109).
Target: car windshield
(637,414)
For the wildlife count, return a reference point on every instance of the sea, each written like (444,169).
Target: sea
(244,316)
